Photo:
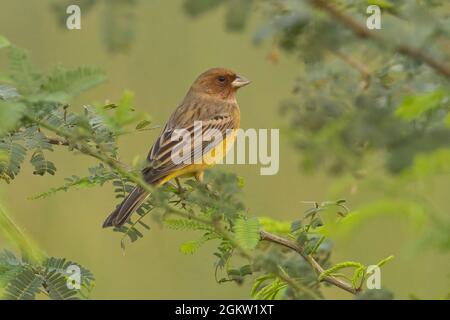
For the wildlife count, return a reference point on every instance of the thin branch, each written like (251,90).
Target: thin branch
(57,141)
(266,236)
(366,74)
(363,32)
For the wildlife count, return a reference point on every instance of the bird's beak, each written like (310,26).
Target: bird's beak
(240,81)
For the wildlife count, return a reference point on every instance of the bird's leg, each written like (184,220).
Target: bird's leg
(181,194)
(199,177)
(180,188)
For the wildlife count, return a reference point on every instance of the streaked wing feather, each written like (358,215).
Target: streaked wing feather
(160,156)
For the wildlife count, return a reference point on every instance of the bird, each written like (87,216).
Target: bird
(211,101)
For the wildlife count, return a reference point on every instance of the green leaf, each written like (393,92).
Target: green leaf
(24,287)
(274,226)
(241,182)
(237,15)
(197,7)
(56,286)
(12,155)
(22,72)
(189,247)
(183,224)
(246,270)
(7,92)
(247,232)
(10,114)
(385,4)
(98,176)
(56,278)
(8,258)
(429,165)
(61,265)
(118,25)
(447,120)
(9,273)
(4,43)
(62,84)
(41,165)
(141,125)
(413,107)
(10,267)
(268,291)
(259,281)
(116,119)
(358,276)
(385,260)
(74,181)
(340,266)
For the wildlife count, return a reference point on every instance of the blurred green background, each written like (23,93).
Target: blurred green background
(168,51)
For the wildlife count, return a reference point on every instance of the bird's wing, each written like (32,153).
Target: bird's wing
(210,134)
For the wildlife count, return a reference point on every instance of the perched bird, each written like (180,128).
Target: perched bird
(211,100)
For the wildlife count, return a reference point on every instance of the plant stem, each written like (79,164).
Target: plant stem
(29,250)
(266,236)
(363,32)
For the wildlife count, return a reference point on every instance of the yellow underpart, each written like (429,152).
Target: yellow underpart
(208,160)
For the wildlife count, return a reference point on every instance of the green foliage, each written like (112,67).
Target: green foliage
(33,99)
(10,267)
(21,71)
(359,99)
(10,113)
(4,42)
(13,156)
(183,224)
(196,7)
(379,294)
(359,274)
(367,89)
(274,226)
(414,107)
(122,115)
(340,128)
(34,273)
(25,285)
(246,231)
(56,271)
(190,247)
(268,287)
(237,12)
(7,92)
(62,85)
(22,280)
(118,20)
(31,94)
(119,24)
(41,165)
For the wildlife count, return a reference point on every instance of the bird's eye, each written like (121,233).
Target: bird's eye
(221,78)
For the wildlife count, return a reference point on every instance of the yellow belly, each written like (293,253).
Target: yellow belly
(209,159)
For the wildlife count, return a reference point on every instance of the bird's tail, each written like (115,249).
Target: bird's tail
(131,203)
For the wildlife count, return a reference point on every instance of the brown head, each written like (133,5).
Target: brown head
(219,82)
